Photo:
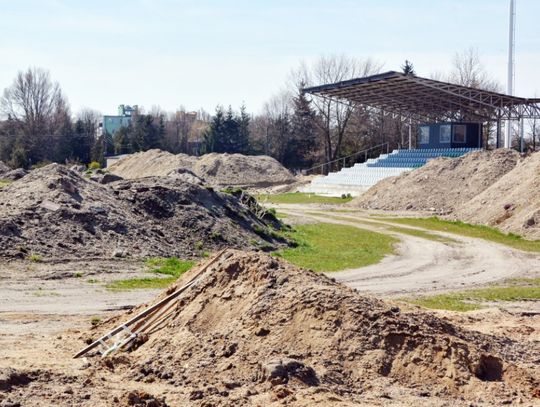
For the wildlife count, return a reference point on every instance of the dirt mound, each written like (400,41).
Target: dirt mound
(3,168)
(512,203)
(254,329)
(151,163)
(442,185)
(15,174)
(219,170)
(242,170)
(54,212)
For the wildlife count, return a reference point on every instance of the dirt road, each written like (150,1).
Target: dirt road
(423,265)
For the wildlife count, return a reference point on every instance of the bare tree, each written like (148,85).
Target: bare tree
(34,101)
(40,115)
(179,128)
(468,70)
(335,117)
(277,113)
(90,120)
(534,133)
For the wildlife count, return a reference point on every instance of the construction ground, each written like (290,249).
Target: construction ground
(402,308)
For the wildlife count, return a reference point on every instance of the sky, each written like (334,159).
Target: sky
(199,54)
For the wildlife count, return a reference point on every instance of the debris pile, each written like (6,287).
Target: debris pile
(442,185)
(3,169)
(220,170)
(253,329)
(512,203)
(56,213)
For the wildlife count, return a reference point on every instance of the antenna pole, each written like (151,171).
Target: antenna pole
(511,62)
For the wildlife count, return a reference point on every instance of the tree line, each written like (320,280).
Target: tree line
(293,127)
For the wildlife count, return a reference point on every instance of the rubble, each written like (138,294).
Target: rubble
(56,213)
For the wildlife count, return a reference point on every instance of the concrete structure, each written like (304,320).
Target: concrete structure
(359,178)
(111,124)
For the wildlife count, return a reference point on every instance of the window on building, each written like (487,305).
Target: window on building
(460,133)
(445,132)
(424,135)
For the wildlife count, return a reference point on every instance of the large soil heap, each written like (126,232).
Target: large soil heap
(56,213)
(151,163)
(219,170)
(254,329)
(442,185)
(3,169)
(512,203)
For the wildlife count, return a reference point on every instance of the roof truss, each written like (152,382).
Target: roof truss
(423,99)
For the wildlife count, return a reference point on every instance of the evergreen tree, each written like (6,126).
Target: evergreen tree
(230,137)
(215,134)
(121,141)
(228,132)
(243,131)
(408,68)
(82,142)
(300,149)
(99,150)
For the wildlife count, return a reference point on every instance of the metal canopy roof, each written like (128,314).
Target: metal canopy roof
(424,99)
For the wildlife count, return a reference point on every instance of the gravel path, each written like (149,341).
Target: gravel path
(422,265)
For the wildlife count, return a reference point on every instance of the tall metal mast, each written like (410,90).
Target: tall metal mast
(511,61)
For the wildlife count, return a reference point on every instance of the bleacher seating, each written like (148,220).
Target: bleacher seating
(360,177)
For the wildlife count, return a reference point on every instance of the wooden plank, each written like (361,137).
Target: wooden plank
(149,310)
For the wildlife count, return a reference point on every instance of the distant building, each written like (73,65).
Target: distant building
(111,124)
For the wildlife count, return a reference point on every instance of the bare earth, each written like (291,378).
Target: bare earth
(46,308)
(422,265)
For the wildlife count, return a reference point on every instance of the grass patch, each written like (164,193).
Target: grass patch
(406,231)
(466,229)
(171,266)
(35,258)
(422,234)
(331,247)
(141,283)
(301,198)
(4,183)
(519,289)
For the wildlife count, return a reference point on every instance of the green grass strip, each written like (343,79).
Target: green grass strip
(522,289)
(171,266)
(406,231)
(301,198)
(332,247)
(466,229)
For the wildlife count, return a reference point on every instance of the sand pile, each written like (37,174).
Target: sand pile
(56,213)
(255,329)
(220,170)
(442,185)
(151,163)
(512,203)
(242,170)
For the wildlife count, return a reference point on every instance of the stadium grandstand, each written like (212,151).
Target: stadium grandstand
(449,118)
